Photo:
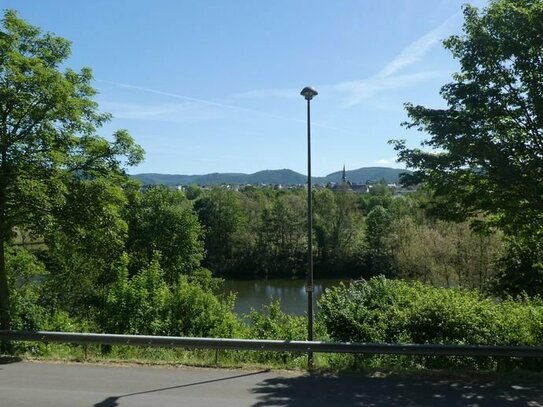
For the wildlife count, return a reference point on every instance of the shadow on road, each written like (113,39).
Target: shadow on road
(112,401)
(395,391)
(5,360)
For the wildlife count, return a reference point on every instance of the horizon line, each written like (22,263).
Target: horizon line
(252,173)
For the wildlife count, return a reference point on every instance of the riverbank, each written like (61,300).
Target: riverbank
(255,293)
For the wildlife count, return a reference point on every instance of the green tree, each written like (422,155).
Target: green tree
(283,239)
(338,229)
(522,270)
(379,227)
(163,220)
(48,140)
(192,192)
(87,235)
(221,215)
(137,304)
(379,195)
(248,256)
(25,275)
(443,253)
(324,225)
(486,147)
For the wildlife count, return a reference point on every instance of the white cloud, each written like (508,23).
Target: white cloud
(143,111)
(388,79)
(415,51)
(269,93)
(168,112)
(355,92)
(172,95)
(193,109)
(190,101)
(383,162)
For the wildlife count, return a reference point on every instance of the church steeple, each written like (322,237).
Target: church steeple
(344,176)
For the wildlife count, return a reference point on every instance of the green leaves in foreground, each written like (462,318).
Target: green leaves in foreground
(485,152)
(144,304)
(49,146)
(394,311)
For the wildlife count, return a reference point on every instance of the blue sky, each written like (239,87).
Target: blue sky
(213,86)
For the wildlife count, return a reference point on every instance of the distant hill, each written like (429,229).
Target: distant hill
(284,177)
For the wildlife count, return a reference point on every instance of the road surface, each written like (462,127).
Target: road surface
(47,384)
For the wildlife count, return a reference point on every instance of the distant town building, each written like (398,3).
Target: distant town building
(348,185)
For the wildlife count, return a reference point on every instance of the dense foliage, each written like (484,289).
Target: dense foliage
(393,311)
(263,232)
(51,159)
(489,137)
(485,153)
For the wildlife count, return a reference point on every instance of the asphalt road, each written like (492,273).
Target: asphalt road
(46,384)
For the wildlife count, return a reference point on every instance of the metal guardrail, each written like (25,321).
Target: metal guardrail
(274,345)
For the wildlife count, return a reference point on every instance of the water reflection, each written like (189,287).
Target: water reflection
(255,293)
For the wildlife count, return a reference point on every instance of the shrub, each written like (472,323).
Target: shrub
(197,311)
(394,311)
(145,304)
(272,323)
(25,274)
(137,304)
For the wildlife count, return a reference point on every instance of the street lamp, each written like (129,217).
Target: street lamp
(309,93)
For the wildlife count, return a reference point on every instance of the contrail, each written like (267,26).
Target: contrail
(216,104)
(174,95)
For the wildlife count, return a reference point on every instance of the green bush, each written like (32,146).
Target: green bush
(195,311)
(270,322)
(394,311)
(25,274)
(137,304)
(145,304)
(365,312)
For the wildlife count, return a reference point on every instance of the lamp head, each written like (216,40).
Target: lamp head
(308,93)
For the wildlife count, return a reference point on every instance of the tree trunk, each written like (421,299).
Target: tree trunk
(5,317)
(5,320)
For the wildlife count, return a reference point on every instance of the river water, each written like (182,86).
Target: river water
(291,292)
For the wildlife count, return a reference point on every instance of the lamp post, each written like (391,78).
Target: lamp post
(308,93)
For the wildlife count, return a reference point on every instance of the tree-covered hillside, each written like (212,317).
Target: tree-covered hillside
(271,177)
